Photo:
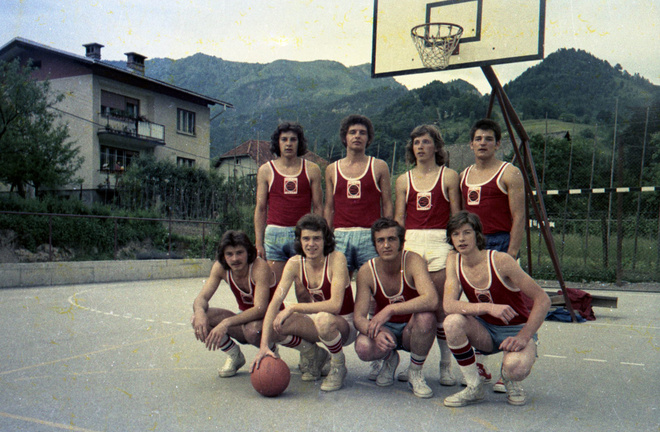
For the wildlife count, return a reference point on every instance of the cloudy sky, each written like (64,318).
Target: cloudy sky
(260,31)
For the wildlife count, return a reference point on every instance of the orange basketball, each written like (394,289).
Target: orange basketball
(272,377)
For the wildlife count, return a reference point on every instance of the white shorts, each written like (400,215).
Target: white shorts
(431,244)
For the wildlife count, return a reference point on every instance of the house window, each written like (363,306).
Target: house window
(185,121)
(185,162)
(116,159)
(116,105)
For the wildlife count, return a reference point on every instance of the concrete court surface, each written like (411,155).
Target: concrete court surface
(122,357)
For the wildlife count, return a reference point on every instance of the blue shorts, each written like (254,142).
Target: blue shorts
(278,243)
(397,330)
(499,333)
(356,245)
(498,241)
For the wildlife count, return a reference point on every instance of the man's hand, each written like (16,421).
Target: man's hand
(385,341)
(377,322)
(261,252)
(280,318)
(200,324)
(514,344)
(263,352)
(215,337)
(504,312)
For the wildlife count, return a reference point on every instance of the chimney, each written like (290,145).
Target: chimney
(135,62)
(93,50)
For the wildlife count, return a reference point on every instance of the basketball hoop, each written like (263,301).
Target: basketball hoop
(436,42)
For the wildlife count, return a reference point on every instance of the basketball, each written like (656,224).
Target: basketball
(272,377)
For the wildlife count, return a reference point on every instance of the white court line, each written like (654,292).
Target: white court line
(632,364)
(554,356)
(595,360)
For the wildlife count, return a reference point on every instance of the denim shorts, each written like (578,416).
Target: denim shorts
(498,241)
(499,333)
(356,245)
(397,331)
(278,243)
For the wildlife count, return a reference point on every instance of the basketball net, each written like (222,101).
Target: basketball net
(436,43)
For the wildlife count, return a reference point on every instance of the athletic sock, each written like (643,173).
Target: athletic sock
(298,343)
(335,347)
(464,355)
(416,361)
(228,346)
(445,352)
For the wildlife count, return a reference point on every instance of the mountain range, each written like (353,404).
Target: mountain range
(568,84)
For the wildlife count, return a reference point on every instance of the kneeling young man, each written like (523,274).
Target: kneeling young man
(495,317)
(406,301)
(322,271)
(252,282)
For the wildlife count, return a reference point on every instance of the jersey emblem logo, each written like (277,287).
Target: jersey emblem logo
(290,185)
(317,295)
(474,195)
(247,299)
(397,299)
(354,189)
(423,201)
(484,297)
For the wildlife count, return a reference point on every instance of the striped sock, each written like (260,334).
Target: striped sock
(466,359)
(445,353)
(416,361)
(335,347)
(297,343)
(228,346)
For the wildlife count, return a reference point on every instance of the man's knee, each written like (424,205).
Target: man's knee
(517,365)
(326,324)
(454,323)
(364,347)
(252,332)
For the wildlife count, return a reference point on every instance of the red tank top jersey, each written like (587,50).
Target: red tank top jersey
(244,299)
(488,201)
(289,197)
(407,292)
(427,209)
(497,292)
(324,292)
(357,200)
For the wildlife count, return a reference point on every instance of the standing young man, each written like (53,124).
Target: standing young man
(287,189)
(358,191)
(322,271)
(426,196)
(495,317)
(494,190)
(252,282)
(406,302)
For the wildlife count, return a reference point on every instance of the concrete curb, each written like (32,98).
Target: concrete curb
(83,272)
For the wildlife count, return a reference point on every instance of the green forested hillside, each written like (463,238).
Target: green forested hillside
(569,85)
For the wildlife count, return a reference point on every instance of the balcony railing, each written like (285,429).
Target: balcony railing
(134,128)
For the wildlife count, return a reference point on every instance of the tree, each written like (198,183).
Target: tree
(33,140)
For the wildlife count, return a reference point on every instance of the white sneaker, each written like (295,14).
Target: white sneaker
(446,377)
(335,379)
(376,366)
(404,375)
(232,365)
(467,396)
(483,373)
(514,394)
(315,364)
(418,385)
(386,376)
(499,386)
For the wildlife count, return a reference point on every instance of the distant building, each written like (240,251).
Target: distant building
(116,114)
(246,159)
